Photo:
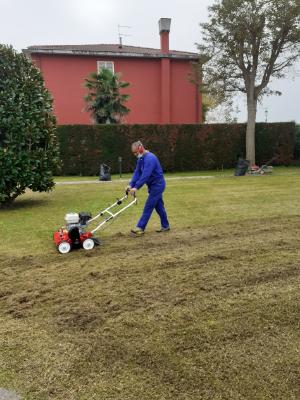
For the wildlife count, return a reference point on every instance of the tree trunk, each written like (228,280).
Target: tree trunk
(250,132)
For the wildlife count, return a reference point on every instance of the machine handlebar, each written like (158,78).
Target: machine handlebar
(128,191)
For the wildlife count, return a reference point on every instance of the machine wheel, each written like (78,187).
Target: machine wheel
(64,247)
(88,244)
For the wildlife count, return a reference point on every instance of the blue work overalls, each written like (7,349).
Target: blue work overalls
(148,170)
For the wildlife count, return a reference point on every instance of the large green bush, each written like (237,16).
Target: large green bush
(179,147)
(28,149)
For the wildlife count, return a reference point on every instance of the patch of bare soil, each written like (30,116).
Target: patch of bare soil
(195,313)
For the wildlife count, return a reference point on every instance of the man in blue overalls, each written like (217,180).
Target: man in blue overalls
(148,170)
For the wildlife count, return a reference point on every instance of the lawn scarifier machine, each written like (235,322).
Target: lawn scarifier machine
(264,169)
(75,233)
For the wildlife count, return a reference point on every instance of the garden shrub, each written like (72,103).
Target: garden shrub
(28,147)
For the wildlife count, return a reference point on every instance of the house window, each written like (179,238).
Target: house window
(105,64)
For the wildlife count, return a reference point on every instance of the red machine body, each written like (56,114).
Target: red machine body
(62,235)
(74,235)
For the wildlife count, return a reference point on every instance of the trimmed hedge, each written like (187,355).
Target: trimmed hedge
(297,144)
(179,147)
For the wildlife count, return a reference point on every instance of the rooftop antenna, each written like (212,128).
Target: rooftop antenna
(121,35)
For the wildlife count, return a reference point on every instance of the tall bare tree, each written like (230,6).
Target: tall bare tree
(245,44)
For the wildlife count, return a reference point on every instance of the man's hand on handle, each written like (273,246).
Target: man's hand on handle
(130,190)
(133,191)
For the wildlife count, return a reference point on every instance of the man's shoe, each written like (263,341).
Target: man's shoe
(137,231)
(162,229)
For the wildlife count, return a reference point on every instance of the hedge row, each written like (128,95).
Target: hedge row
(179,147)
(297,143)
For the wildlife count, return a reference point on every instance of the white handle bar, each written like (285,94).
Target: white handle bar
(111,214)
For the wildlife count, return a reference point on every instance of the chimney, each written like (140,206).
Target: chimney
(164,29)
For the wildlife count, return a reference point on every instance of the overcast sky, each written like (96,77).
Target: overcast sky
(30,22)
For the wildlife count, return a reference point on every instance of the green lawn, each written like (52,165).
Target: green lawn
(279,171)
(209,310)
(224,172)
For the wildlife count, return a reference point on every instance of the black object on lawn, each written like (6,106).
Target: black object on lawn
(241,167)
(104,173)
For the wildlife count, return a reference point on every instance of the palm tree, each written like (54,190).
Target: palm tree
(104,100)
